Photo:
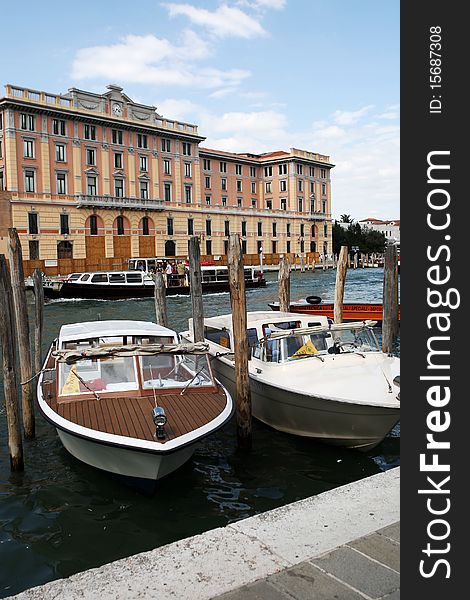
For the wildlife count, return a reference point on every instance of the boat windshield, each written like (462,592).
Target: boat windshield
(356,340)
(175,371)
(115,374)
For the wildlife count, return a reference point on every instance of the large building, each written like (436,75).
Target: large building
(90,180)
(390,229)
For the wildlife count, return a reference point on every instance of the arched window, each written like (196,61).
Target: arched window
(146,225)
(120,225)
(94,224)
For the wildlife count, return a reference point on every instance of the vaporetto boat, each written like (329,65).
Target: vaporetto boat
(311,378)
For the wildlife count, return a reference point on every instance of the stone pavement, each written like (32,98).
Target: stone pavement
(368,567)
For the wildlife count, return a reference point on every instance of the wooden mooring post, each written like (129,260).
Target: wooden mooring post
(195,287)
(341,269)
(355,258)
(10,384)
(161,317)
(240,341)
(22,330)
(390,300)
(38,319)
(284,284)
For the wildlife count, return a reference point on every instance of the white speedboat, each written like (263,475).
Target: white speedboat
(311,378)
(126,397)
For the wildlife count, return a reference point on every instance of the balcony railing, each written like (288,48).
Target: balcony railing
(318,216)
(116,202)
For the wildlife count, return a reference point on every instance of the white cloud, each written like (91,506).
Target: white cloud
(152,60)
(184,110)
(225,21)
(343,117)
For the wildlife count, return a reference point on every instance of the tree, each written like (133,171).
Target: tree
(346,219)
(368,240)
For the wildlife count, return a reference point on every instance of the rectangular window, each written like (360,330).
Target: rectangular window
(268,171)
(33,250)
(64,224)
(225,246)
(207,165)
(61,183)
(300,169)
(169,226)
(89,132)
(90,156)
(166,166)
(190,226)
(208,227)
(323,189)
(259,246)
(323,173)
(253,203)
(224,200)
(302,246)
(223,167)
(283,203)
(208,200)
(274,247)
(188,194)
(186,149)
(144,190)
(269,204)
(252,171)
(91,185)
(274,229)
(29,181)
(325,230)
(208,247)
(301,204)
(283,169)
(227,228)
(116,136)
(142,140)
(323,206)
(283,185)
(207,182)
(253,187)
(238,169)
(187,169)
(312,187)
(239,185)
(223,183)
(2,182)
(93,225)
(28,148)
(167,190)
(243,246)
(143,163)
(118,160)
(288,229)
(166,145)
(260,228)
(58,127)
(244,228)
(300,185)
(239,202)
(33,227)
(288,247)
(268,187)
(312,171)
(60,152)
(302,230)
(119,188)
(27,122)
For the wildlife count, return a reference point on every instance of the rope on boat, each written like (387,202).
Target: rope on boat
(35,375)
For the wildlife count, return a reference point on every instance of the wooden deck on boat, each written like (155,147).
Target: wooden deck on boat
(131,416)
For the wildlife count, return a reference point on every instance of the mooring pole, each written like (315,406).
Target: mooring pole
(390,299)
(195,288)
(22,329)
(284,284)
(341,269)
(10,385)
(161,317)
(240,341)
(38,319)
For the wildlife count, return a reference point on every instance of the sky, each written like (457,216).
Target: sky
(254,75)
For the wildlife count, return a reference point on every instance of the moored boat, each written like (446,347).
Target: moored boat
(311,378)
(352,311)
(128,398)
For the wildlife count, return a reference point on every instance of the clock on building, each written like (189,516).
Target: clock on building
(117,109)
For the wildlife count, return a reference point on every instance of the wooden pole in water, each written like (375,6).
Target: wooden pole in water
(161,317)
(240,341)
(340,281)
(355,260)
(390,299)
(302,265)
(38,319)
(195,288)
(10,385)
(284,284)
(22,329)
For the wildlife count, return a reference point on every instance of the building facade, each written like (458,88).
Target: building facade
(90,180)
(390,229)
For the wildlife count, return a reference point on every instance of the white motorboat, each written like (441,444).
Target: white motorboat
(128,398)
(311,378)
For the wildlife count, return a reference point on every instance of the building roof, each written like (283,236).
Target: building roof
(380,221)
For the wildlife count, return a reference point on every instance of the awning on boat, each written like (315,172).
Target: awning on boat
(281,333)
(73,356)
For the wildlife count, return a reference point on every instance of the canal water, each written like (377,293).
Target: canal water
(61,516)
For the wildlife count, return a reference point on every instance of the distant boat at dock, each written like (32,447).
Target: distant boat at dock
(126,397)
(310,378)
(352,311)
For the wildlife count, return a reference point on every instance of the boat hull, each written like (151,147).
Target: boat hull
(352,311)
(125,461)
(338,423)
(117,292)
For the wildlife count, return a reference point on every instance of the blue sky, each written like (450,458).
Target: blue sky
(255,75)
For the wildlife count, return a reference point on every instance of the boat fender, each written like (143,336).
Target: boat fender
(313,299)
